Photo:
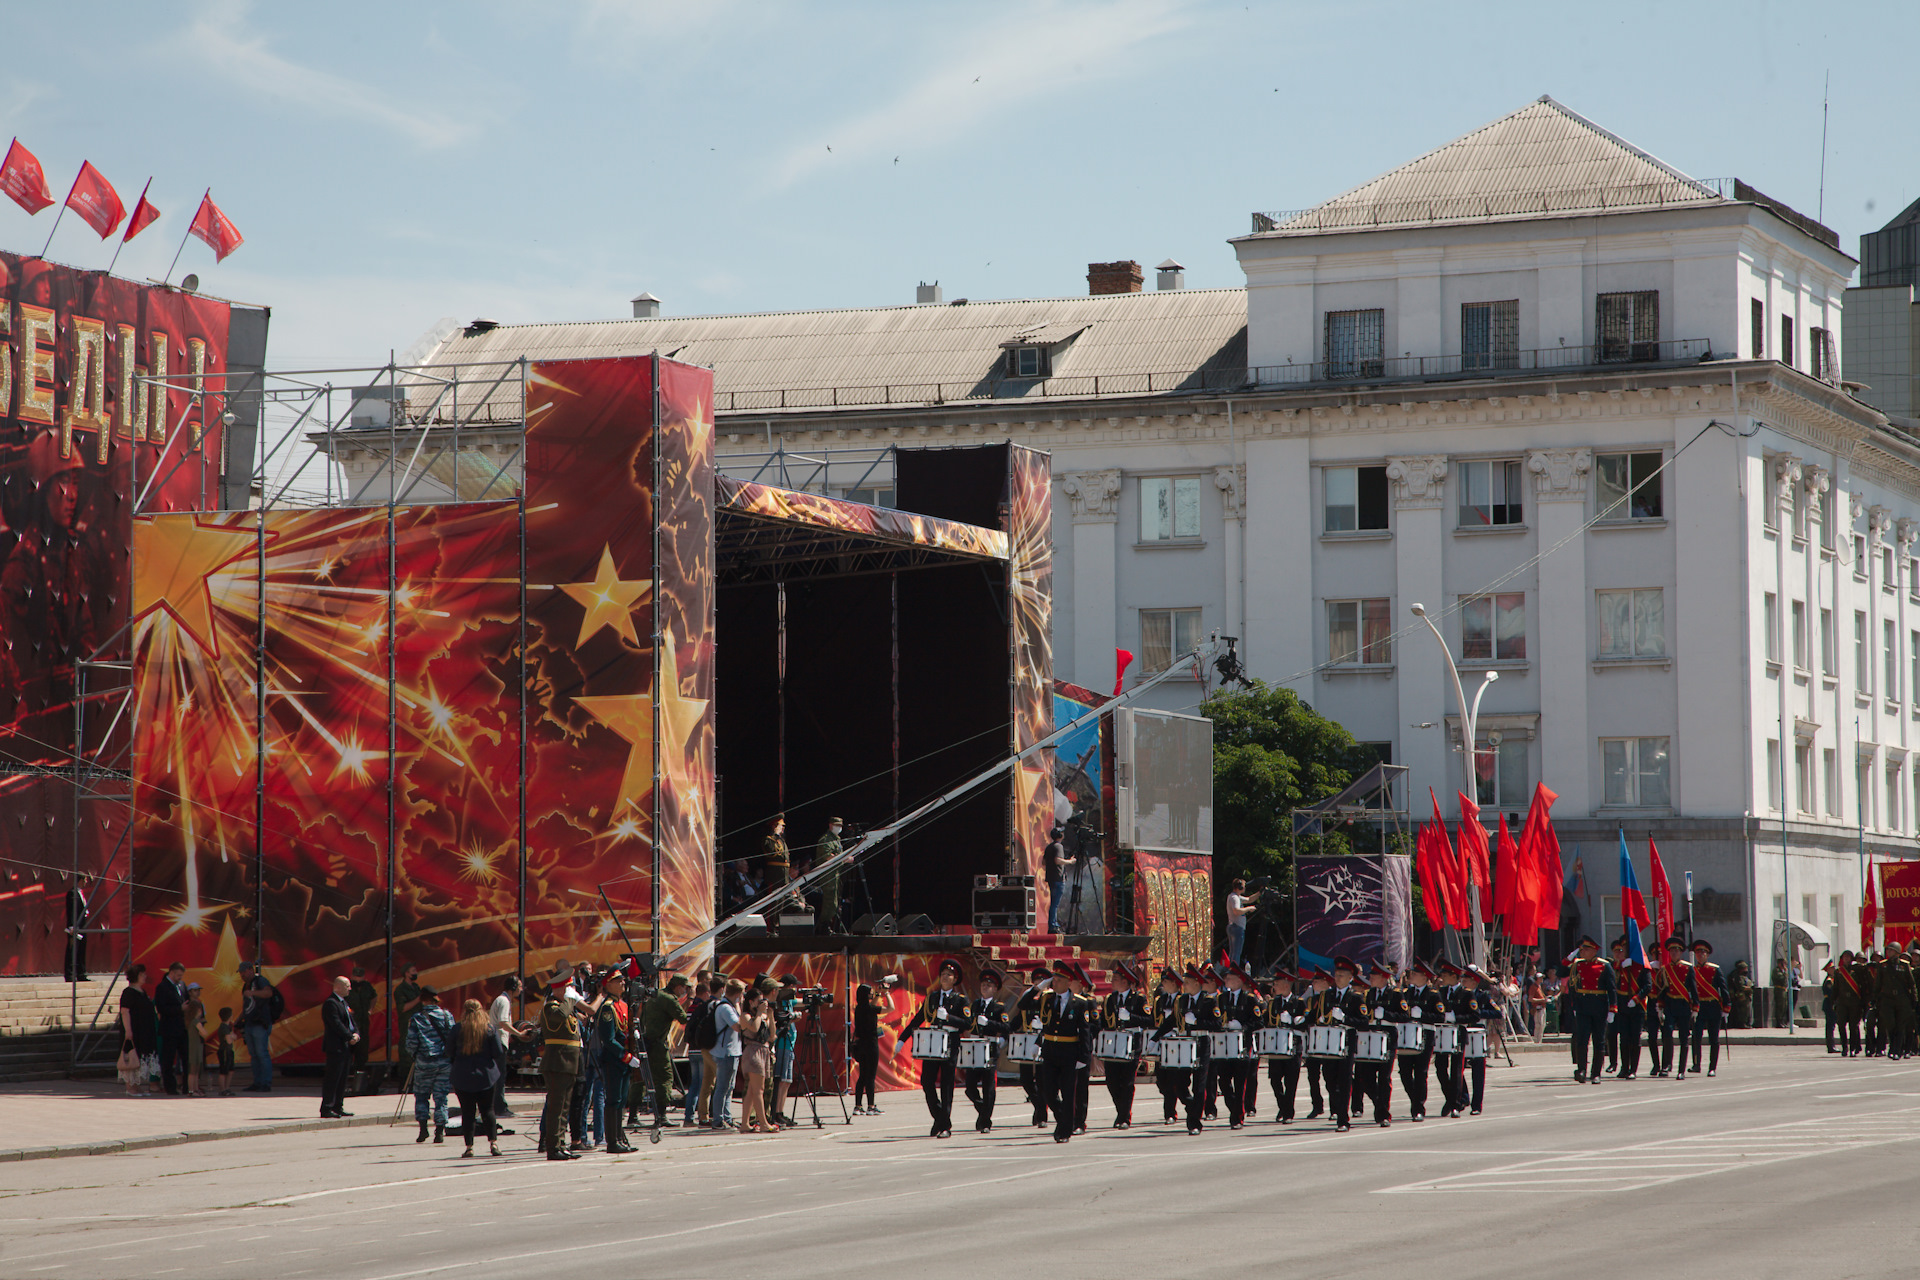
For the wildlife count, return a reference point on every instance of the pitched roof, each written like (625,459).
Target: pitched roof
(1131,342)
(1542,160)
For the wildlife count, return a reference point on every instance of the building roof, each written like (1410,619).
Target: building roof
(1542,160)
(1111,344)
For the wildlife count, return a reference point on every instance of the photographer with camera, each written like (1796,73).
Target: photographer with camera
(786,1004)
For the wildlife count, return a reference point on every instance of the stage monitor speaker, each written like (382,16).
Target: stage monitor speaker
(796,923)
(916,926)
(875,924)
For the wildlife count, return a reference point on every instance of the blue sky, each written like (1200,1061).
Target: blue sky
(393,164)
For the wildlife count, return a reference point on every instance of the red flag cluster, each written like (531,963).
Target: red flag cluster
(1524,890)
(93,198)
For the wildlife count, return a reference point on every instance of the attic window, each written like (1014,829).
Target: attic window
(1028,362)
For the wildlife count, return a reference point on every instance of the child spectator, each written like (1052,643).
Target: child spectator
(223,1038)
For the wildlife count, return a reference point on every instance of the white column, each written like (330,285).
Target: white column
(1232,483)
(1094,498)
(1560,624)
(1421,680)
(1282,609)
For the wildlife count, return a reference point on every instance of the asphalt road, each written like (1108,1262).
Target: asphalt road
(1790,1163)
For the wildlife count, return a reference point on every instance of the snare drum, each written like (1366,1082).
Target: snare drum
(1446,1039)
(1476,1042)
(1118,1046)
(1178,1053)
(1227,1044)
(1329,1042)
(1277,1042)
(1370,1046)
(977,1053)
(1023,1046)
(933,1044)
(1410,1038)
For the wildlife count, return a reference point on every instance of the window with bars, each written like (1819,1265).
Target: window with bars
(1628,326)
(1759,328)
(1356,344)
(1165,634)
(1490,335)
(1359,631)
(1491,494)
(1493,627)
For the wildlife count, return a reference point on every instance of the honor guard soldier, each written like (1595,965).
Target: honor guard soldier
(1026,1013)
(1710,1003)
(1171,1083)
(1593,987)
(1385,1006)
(1066,1028)
(1894,998)
(1475,1006)
(1673,992)
(1848,1003)
(1287,1011)
(559,1062)
(990,1023)
(1634,986)
(944,1009)
(1424,1004)
(1239,1011)
(1345,1005)
(1125,1009)
(611,1041)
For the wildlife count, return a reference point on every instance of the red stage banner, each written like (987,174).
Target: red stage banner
(1900,902)
(1173,903)
(1029,522)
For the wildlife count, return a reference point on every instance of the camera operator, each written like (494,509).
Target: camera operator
(1238,909)
(786,1004)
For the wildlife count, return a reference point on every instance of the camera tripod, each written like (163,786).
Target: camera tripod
(813,1069)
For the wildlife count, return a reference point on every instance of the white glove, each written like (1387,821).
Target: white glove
(1339,1016)
(1191,1020)
(1609,1017)
(1125,1016)
(1286,1019)
(940,1015)
(1234,1025)
(1449,1017)
(980,1021)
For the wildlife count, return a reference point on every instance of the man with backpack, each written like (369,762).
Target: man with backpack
(261,1006)
(701,1034)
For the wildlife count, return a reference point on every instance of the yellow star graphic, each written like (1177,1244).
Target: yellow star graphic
(220,981)
(172,561)
(680,719)
(608,600)
(631,716)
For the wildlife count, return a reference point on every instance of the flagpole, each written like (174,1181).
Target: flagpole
(123,239)
(74,185)
(183,239)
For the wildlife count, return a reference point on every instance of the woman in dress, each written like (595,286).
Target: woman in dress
(756,1033)
(139,1035)
(195,1012)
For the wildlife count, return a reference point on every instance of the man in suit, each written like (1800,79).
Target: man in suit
(77,913)
(339,1034)
(170,1008)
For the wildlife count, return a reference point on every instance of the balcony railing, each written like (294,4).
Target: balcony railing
(1487,364)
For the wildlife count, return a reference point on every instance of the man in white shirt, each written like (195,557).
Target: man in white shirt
(502,1015)
(1237,912)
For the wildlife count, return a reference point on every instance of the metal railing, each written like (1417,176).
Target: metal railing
(1491,364)
(1608,197)
(925,393)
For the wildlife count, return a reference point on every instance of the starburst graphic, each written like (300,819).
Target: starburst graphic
(477,865)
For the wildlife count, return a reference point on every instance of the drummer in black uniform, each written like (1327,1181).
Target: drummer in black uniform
(1239,1012)
(944,1009)
(1447,1067)
(1025,1011)
(1125,1009)
(1320,985)
(1287,1011)
(1426,1006)
(1172,1082)
(1384,1006)
(1475,1007)
(990,1023)
(1066,1022)
(1345,1006)
(1201,1017)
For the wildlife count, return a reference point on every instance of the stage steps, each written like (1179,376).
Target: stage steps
(36,1031)
(1016,953)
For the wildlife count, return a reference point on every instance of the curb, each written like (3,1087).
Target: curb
(121,1146)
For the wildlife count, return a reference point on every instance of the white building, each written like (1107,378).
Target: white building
(1581,406)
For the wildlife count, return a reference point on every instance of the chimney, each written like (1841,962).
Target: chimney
(1172,275)
(928,293)
(1113,277)
(646,307)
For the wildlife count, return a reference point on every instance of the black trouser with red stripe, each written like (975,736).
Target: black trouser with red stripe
(1284,1075)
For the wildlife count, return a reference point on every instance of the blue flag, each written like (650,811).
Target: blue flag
(1633,907)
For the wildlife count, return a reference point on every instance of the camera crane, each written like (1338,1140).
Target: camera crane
(1219,651)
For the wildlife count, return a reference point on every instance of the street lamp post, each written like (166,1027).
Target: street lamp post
(1469,716)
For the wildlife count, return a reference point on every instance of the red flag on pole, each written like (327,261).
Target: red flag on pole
(1540,848)
(1505,873)
(22,178)
(215,229)
(1433,881)
(1869,910)
(1122,659)
(1458,913)
(1473,853)
(144,215)
(95,200)
(1662,897)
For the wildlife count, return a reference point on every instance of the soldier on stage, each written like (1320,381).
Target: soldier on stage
(989,1023)
(1288,1011)
(1594,989)
(1709,1004)
(773,851)
(1425,1005)
(1172,1083)
(1066,1030)
(1239,1011)
(1026,1012)
(1125,1009)
(1634,985)
(944,1009)
(1385,1004)
(1475,1006)
(1344,1005)
(1673,992)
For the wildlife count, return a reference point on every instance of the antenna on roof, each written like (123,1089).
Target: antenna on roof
(1820,214)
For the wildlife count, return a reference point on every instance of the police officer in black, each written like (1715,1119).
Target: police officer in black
(1171,1082)
(1594,991)
(1026,1012)
(944,1009)
(989,1022)
(1125,1009)
(1424,1004)
(1288,1011)
(1066,1023)
(1344,1005)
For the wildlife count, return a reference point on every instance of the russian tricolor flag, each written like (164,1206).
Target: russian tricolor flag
(1633,907)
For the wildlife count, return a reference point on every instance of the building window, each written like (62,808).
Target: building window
(1169,508)
(1820,349)
(1167,634)
(1758,310)
(1627,486)
(1817,507)
(1803,775)
(1779,906)
(1356,344)
(1500,772)
(1786,341)
(1863,788)
(1636,771)
(879,496)
(1356,498)
(1829,657)
(1628,326)
(1810,909)
(1490,335)
(1797,611)
(1633,624)
(1913,663)
(1862,660)
(1837,918)
(1830,779)
(1860,556)
(1773,773)
(1890,659)
(1894,792)
(1888,581)
(1490,494)
(1913,579)
(1359,631)
(1029,362)
(1493,627)
(1770,619)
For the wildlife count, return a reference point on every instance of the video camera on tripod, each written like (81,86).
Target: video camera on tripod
(811,998)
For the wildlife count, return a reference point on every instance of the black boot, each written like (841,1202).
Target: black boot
(423,1132)
(439,1132)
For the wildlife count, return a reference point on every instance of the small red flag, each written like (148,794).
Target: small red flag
(1869,909)
(144,215)
(95,200)
(1458,916)
(1122,659)
(1473,852)
(1662,897)
(1541,847)
(215,229)
(1433,882)
(22,178)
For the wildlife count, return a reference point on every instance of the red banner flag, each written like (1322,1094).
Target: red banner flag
(1662,890)
(95,200)
(1474,853)
(1506,870)
(215,229)
(1433,880)
(1540,848)
(1899,902)
(1449,866)
(1122,659)
(144,215)
(22,178)
(1869,911)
